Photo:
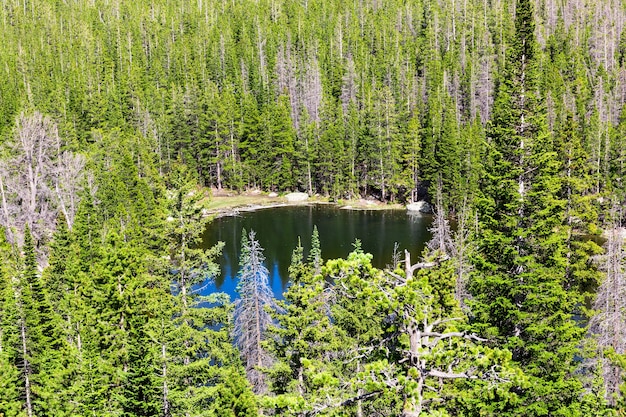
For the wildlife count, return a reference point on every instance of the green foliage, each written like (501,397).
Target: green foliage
(300,340)
(234,397)
(524,286)
(195,350)
(296,95)
(355,339)
(345,99)
(315,254)
(10,375)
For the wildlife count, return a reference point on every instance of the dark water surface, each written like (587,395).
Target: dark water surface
(277,230)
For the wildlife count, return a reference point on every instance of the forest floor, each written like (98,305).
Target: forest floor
(227,202)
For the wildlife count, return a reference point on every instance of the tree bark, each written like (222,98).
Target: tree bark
(27,370)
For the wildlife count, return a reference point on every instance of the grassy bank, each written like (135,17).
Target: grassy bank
(224,203)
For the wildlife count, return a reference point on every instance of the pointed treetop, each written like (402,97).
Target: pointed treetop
(296,255)
(525,29)
(245,249)
(30,259)
(315,255)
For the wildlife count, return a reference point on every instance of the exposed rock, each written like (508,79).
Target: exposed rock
(419,207)
(295,197)
(272,194)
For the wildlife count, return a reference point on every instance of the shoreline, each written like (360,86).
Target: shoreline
(226,204)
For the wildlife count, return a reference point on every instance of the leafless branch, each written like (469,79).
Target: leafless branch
(251,315)
(37,179)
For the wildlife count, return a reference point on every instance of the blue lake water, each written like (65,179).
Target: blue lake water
(277,230)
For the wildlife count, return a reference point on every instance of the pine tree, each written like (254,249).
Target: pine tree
(220,126)
(232,161)
(300,340)
(315,254)
(411,156)
(234,397)
(581,208)
(448,158)
(353,131)
(54,276)
(520,289)
(39,335)
(196,350)
(124,299)
(329,150)
(11,398)
(73,269)
(359,310)
(66,281)
(386,144)
(251,146)
(437,344)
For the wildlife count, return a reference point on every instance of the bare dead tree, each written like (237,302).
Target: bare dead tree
(37,179)
(312,88)
(261,41)
(36,139)
(287,82)
(251,313)
(349,85)
(455,246)
(67,179)
(4,201)
(483,96)
(606,19)
(440,229)
(462,249)
(609,324)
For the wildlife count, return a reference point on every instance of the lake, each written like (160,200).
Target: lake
(277,230)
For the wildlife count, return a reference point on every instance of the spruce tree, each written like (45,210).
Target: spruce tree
(40,336)
(300,340)
(315,254)
(521,299)
(70,289)
(70,279)
(125,294)
(11,398)
(197,353)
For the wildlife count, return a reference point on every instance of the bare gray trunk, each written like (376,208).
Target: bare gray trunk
(166,402)
(27,371)
(5,209)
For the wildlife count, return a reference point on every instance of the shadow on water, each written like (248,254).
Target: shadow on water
(278,229)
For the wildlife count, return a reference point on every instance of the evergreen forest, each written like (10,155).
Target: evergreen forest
(119,119)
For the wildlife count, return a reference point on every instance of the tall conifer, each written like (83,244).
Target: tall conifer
(11,394)
(520,295)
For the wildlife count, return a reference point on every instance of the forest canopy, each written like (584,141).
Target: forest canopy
(343,98)
(117,119)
